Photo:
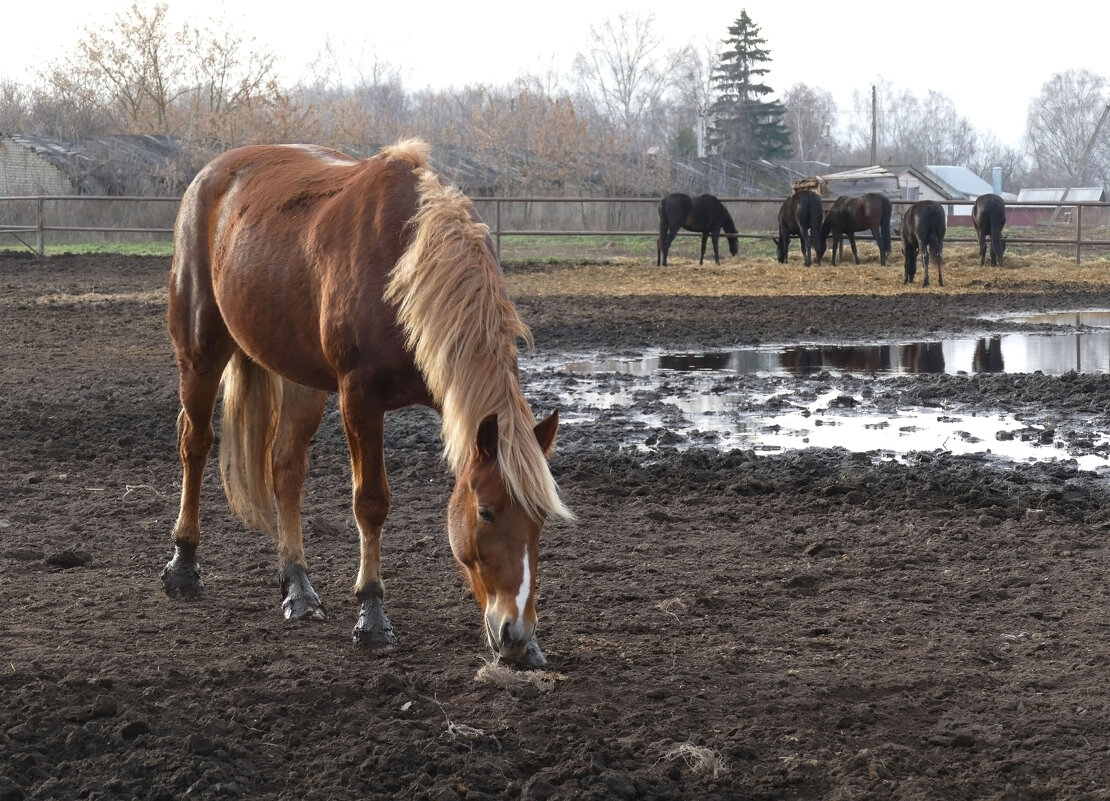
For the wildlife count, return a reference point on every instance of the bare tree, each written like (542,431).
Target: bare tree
(810,116)
(1062,119)
(691,81)
(992,153)
(911,129)
(619,70)
(138,65)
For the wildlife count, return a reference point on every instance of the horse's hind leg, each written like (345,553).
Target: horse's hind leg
(301,411)
(200,366)
(364,423)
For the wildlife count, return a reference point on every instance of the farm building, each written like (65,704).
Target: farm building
(898,182)
(1051,196)
(108,165)
(25,170)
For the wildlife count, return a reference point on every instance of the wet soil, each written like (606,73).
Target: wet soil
(813,625)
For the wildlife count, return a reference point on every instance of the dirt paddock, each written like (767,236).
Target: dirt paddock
(808,625)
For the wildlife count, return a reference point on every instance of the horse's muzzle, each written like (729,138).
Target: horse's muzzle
(508,637)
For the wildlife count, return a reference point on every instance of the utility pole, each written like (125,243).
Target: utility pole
(874,127)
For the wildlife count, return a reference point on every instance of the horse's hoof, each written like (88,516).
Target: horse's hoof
(532,658)
(181,577)
(373,631)
(299,599)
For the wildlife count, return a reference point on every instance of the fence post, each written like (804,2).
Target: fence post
(497,225)
(1079,230)
(40,238)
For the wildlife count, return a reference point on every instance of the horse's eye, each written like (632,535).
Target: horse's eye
(485,514)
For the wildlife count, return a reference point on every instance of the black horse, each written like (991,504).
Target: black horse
(923,229)
(988,215)
(704,214)
(869,212)
(800,215)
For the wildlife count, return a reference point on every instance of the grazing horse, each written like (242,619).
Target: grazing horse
(923,228)
(704,214)
(800,215)
(988,215)
(869,212)
(298,271)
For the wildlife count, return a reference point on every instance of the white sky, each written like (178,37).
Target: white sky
(493,42)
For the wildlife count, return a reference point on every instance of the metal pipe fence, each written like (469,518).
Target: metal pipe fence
(66,219)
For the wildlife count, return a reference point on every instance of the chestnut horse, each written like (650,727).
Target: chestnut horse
(923,229)
(298,271)
(800,215)
(704,214)
(868,212)
(988,215)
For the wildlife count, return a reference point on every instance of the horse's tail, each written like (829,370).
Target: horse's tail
(730,228)
(251,410)
(936,244)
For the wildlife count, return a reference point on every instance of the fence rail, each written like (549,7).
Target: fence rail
(31,219)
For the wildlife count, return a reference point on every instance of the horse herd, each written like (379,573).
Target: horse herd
(802,215)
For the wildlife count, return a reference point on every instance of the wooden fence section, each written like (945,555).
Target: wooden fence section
(68,219)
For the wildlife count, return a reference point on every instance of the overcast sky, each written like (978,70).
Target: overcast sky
(991,62)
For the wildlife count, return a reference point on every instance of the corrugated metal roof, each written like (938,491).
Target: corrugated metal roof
(1056,194)
(962,180)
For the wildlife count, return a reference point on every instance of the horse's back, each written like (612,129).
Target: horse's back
(293,245)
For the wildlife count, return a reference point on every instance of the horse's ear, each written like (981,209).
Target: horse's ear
(545,432)
(487,439)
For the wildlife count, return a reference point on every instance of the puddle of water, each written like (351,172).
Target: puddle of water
(700,407)
(1051,354)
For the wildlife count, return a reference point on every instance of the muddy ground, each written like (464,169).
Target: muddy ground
(812,625)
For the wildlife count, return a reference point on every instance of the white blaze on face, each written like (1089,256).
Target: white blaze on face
(525,587)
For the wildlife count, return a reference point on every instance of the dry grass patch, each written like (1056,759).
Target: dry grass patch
(765,277)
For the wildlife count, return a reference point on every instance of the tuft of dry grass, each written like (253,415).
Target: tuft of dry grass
(501,675)
(699,759)
(764,276)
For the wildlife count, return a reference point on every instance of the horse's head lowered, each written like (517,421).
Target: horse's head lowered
(496,541)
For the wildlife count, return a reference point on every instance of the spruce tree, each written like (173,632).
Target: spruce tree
(745,125)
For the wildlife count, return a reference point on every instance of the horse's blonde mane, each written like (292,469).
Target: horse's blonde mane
(462,328)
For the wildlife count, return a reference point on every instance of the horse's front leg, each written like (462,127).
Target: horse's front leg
(364,423)
(704,241)
(852,242)
(301,411)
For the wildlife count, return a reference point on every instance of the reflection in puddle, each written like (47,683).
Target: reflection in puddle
(704,398)
(1051,354)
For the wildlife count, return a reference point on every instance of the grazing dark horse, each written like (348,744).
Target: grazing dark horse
(988,215)
(298,271)
(869,212)
(800,215)
(704,214)
(923,229)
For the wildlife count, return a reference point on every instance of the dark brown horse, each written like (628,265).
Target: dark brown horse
(800,215)
(988,215)
(923,229)
(298,271)
(704,214)
(869,212)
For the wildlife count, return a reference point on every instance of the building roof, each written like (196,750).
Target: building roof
(962,180)
(1056,194)
(891,175)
